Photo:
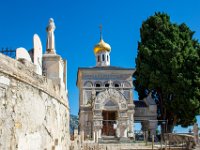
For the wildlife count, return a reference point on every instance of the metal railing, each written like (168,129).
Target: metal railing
(8,52)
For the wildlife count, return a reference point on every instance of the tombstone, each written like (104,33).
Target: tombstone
(22,54)
(37,53)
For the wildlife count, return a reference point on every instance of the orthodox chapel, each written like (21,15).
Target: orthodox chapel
(106,106)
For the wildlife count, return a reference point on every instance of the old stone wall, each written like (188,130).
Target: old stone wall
(34,113)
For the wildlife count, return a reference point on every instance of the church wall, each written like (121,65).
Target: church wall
(34,112)
(87,83)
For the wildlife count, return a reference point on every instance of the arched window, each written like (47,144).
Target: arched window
(116,84)
(98,58)
(107,57)
(98,84)
(103,57)
(107,85)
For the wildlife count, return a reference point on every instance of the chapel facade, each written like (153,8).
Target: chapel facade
(106,107)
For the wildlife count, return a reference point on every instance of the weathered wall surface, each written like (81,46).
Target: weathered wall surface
(34,113)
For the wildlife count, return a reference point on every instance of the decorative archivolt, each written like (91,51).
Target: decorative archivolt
(110,98)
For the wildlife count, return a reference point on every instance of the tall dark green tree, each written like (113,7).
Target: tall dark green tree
(168,66)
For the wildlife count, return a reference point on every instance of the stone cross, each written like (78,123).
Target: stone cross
(50,47)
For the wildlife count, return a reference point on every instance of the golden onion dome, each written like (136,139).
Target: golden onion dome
(102,46)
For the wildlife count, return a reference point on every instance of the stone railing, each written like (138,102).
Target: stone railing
(180,140)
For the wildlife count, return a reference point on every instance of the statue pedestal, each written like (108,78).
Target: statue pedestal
(53,68)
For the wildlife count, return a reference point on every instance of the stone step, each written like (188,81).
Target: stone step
(197,147)
(109,139)
(127,146)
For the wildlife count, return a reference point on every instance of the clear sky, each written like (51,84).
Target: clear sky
(77,28)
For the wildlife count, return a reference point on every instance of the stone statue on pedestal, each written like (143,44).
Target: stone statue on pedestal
(50,47)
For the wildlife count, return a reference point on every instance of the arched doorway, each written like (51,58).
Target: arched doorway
(109,123)
(110,117)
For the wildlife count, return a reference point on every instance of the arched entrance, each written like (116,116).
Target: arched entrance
(109,123)
(111,115)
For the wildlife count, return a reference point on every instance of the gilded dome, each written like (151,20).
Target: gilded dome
(102,46)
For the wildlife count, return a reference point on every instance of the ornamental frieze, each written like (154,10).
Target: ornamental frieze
(105,76)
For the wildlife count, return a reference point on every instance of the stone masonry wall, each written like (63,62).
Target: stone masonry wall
(34,113)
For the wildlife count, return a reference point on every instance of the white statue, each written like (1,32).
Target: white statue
(50,36)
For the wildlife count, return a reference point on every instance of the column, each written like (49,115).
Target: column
(145,130)
(152,128)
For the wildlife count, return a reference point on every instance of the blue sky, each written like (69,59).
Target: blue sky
(77,28)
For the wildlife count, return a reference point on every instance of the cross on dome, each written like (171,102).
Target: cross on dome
(100,27)
(102,51)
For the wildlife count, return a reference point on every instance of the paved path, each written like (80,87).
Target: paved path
(197,147)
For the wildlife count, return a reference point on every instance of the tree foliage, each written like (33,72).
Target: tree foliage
(168,66)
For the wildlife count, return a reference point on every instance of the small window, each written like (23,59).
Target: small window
(106,85)
(107,57)
(98,58)
(116,85)
(103,57)
(98,85)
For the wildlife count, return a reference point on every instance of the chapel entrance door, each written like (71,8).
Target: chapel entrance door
(109,121)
